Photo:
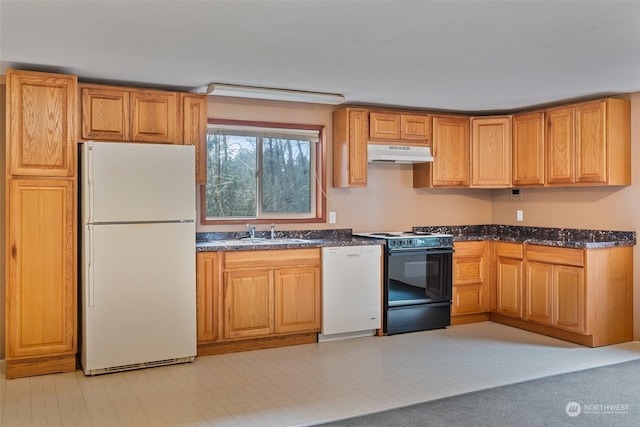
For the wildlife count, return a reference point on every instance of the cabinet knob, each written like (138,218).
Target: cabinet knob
(14,251)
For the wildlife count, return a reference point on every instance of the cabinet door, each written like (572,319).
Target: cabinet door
(350,136)
(468,299)
(560,146)
(528,149)
(415,128)
(569,298)
(591,142)
(41,123)
(154,117)
(509,287)
(384,126)
(248,303)
(41,297)
(207,285)
(538,292)
(450,167)
(491,152)
(297,299)
(194,131)
(105,114)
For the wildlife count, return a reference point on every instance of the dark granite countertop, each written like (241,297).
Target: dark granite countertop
(546,236)
(232,241)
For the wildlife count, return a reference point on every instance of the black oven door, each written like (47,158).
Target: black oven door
(418,277)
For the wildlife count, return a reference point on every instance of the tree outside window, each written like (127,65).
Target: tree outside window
(263,171)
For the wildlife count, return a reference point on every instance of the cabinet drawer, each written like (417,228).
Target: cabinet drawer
(553,255)
(509,250)
(467,299)
(271,258)
(464,249)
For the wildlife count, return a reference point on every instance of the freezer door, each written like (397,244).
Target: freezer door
(128,182)
(138,294)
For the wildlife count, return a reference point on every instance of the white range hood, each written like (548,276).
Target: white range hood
(398,153)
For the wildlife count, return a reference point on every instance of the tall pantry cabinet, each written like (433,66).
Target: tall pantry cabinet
(40,235)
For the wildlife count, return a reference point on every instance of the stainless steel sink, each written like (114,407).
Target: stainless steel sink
(257,241)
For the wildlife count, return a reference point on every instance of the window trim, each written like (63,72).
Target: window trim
(321,177)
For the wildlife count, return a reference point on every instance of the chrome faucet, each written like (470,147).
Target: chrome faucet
(273,231)
(252,231)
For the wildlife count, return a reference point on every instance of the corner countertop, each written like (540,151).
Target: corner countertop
(546,236)
(230,241)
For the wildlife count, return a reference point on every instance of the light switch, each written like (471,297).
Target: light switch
(332,217)
(518,215)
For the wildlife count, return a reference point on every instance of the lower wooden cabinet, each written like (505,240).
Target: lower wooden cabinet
(555,291)
(580,295)
(509,279)
(247,296)
(208,279)
(41,290)
(470,278)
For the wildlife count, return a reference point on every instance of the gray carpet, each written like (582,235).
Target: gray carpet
(606,396)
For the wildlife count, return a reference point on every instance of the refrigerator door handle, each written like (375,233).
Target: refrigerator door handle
(90,280)
(90,188)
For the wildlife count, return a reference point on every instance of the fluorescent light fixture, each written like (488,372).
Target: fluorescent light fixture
(254,92)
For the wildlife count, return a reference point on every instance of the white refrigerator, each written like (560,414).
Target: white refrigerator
(137,237)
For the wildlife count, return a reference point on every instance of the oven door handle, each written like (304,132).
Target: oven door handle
(413,251)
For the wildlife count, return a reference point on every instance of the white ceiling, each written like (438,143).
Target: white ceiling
(442,55)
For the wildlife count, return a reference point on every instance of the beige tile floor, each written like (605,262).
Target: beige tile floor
(301,385)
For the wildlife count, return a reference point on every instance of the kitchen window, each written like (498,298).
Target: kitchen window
(263,172)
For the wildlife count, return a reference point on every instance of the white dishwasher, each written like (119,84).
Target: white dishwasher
(351,291)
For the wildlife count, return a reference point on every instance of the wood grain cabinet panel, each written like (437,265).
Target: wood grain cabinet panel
(491,152)
(415,128)
(104,114)
(208,279)
(589,143)
(113,113)
(297,302)
(194,130)
(450,149)
(350,138)
(470,278)
(154,117)
(569,298)
(41,294)
(41,124)
(509,279)
(384,126)
(248,303)
(538,291)
(528,149)
(271,293)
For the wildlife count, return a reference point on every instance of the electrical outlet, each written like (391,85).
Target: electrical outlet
(332,217)
(518,215)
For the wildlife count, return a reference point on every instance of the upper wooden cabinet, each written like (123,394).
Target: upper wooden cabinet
(399,128)
(528,149)
(491,152)
(450,149)
(41,123)
(350,135)
(194,130)
(589,143)
(111,113)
